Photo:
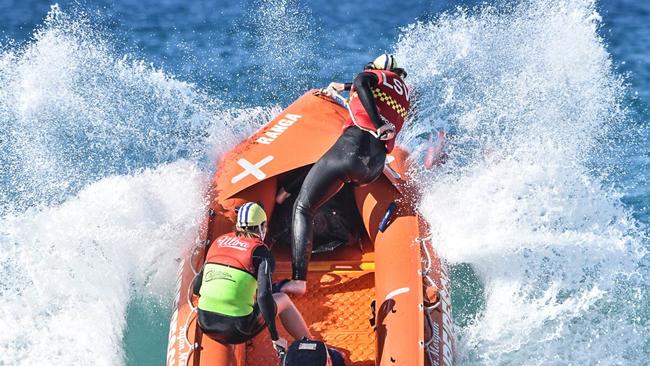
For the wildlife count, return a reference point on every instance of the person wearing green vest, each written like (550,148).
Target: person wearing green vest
(235,287)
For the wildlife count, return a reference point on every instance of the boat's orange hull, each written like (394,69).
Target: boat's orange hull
(342,283)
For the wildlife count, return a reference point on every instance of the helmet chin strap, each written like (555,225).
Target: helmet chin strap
(262,230)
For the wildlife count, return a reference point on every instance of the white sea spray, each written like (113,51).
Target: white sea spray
(105,164)
(529,95)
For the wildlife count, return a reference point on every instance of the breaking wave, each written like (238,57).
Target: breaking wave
(105,160)
(529,94)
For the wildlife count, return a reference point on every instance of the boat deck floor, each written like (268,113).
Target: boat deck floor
(336,307)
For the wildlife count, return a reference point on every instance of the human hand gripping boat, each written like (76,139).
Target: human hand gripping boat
(376,289)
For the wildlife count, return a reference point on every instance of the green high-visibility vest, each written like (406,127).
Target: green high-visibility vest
(227,290)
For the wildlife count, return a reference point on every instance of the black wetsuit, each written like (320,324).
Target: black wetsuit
(238,329)
(356,157)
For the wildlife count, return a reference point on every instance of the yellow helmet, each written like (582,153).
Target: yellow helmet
(385,62)
(250,214)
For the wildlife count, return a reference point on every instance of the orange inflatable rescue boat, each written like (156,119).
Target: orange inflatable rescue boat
(377,291)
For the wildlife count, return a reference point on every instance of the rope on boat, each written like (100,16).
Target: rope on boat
(428,265)
(193,309)
(193,346)
(195,251)
(428,345)
(190,290)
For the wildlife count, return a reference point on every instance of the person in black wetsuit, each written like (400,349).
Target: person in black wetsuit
(379,104)
(237,271)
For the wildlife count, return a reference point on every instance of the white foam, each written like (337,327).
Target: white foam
(105,162)
(529,94)
(75,111)
(68,270)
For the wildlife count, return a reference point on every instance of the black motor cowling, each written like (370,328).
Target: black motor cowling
(306,352)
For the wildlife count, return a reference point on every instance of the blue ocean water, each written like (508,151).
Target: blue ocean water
(112,114)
